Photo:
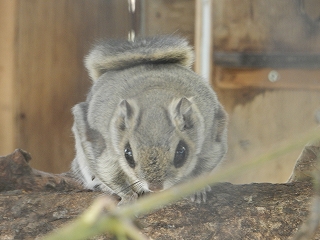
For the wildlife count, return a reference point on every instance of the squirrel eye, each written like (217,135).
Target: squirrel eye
(129,156)
(180,155)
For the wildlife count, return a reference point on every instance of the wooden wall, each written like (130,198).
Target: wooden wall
(41,66)
(52,38)
(45,72)
(264,114)
(42,75)
(7,37)
(170,17)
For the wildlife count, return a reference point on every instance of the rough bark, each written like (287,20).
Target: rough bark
(15,173)
(33,203)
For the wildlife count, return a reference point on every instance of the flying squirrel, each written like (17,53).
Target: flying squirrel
(149,122)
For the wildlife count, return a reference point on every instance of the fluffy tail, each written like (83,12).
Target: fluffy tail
(116,55)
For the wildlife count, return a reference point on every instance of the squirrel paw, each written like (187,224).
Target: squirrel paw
(200,196)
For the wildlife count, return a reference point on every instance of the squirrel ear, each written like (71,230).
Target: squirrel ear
(221,119)
(182,114)
(88,140)
(127,109)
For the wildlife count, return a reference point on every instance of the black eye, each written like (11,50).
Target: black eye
(180,155)
(129,156)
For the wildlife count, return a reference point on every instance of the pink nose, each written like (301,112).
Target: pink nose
(155,187)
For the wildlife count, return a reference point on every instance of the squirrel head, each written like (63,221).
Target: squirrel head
(157,146)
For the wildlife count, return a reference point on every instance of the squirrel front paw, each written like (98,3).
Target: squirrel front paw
(200,196)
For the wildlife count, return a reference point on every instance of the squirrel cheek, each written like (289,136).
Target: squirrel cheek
(168,183)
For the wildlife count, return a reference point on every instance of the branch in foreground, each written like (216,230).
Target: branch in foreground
(253,211)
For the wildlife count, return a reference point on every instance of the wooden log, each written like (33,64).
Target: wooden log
(16,174)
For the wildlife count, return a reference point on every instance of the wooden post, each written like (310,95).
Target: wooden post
(203,39)
(7,72)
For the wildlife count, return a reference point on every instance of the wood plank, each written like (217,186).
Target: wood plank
(170,17)
(52,38)
(264,26)
(203,45)
(198,36)
(7,73)
(268,78)
(262,113)
(261,119)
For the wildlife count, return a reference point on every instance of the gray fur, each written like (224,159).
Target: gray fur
(120,54)
(153,105)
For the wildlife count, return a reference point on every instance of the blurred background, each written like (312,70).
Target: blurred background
(261,57)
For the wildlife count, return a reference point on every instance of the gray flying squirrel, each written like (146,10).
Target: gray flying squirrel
(149,122)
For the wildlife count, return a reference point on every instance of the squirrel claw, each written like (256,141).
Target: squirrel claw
(200,196)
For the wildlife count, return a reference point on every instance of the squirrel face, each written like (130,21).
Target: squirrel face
(157,146)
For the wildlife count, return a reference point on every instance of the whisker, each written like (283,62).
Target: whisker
(126,188)
(140,187)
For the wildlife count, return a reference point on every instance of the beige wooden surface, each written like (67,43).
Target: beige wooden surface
(50,40)
(7,59)
(264,26)
(54,36)
(44,76)
(170,17)
(262,120)
(264,114)
(233,78)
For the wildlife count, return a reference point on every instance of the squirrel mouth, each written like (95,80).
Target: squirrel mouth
(155,186)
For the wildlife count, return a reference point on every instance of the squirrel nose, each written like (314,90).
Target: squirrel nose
(155,187)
